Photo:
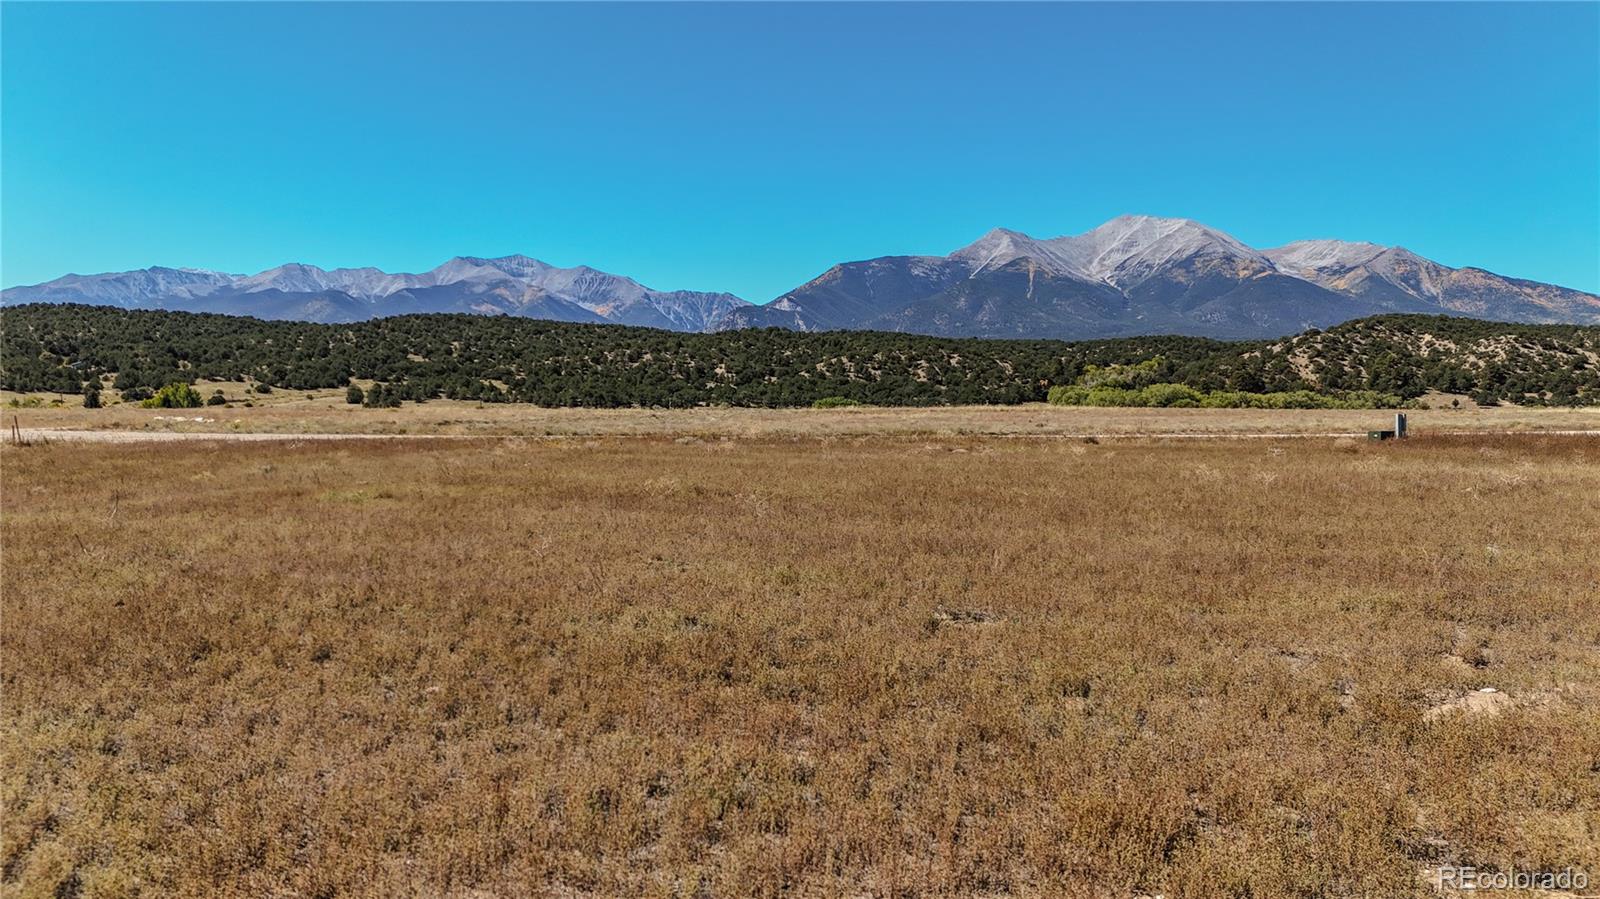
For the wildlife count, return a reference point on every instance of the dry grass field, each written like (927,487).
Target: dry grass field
(326,412)
(807,666)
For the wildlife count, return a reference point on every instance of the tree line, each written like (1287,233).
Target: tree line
(69,348)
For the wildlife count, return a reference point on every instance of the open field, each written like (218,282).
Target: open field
(326,412)
(797,665)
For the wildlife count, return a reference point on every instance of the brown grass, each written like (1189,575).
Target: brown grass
(886,667)
(326,412)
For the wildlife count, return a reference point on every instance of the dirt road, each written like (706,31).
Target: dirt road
(48,435)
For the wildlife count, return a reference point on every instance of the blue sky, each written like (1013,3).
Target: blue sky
(749,147)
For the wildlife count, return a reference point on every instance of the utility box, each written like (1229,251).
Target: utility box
(1399,432)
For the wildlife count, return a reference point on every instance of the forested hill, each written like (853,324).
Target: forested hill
(508,359)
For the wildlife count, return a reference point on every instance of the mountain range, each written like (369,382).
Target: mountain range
(1144,275)
(1130,276)
(510,285)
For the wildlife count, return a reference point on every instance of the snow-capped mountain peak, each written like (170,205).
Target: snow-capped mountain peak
(292,276)
(368,284)
(1315,255)
(1001,246)
(1121,250)
(1152,241)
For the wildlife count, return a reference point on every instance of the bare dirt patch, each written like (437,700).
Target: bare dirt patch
(1482,702)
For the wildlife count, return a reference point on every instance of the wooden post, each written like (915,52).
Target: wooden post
(16,432)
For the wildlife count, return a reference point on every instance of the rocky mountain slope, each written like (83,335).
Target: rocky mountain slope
(1145,275)
(510,285)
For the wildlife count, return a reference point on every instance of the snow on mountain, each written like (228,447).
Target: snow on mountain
(473,268)
(611,297)
(1364,268)
(1003,245)
(589,287)
(1130,247)
(1304,257)
(368,284)
(516,285)
(135,289)
(1400,279)
(1120,252)
(1139,274)
(1134,274)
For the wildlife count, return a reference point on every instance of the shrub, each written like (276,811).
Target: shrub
(1138,374)
(834,402)
(382,396)
(263,388)
(1225,399)
(91,397)
(1183,396)
(176,395)
(137,394)
(1113,396)
(1067,396)
(355,396)
(1169,395)
(1093,396)
(216,399)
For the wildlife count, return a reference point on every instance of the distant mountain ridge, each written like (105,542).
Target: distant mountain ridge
(1145,275)
(509,285)
(1133,275)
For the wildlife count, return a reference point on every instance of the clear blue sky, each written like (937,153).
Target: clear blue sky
(748,147)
